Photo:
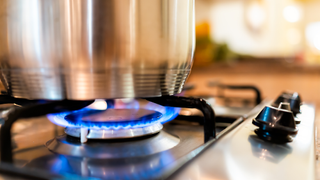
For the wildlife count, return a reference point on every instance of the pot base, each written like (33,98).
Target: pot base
(84,85)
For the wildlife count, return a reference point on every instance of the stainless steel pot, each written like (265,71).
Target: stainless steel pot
(89,49)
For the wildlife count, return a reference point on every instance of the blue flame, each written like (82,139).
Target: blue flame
(164,114)
(168,113)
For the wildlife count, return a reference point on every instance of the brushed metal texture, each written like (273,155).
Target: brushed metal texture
(89,49)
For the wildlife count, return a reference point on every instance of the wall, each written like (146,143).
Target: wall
(276,38)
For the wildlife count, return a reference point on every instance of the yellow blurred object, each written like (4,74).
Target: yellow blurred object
(204,53)
(203,30)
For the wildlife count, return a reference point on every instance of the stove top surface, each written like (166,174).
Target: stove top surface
(176,152)
(240,154)
(140,158)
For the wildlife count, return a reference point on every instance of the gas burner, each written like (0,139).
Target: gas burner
(119,119)
(134,122)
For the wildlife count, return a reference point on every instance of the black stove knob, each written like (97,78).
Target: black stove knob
(275,125)
(289,97)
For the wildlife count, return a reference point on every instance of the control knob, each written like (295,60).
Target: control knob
(276,124)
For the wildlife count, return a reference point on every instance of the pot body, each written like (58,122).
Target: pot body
(90,49)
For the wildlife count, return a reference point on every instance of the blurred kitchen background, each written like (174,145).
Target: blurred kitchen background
(272,44)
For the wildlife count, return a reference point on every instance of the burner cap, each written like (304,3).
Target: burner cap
(114,134)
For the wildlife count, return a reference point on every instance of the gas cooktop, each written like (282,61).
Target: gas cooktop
(137,139)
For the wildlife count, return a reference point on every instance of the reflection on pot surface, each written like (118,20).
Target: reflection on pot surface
(96,49)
